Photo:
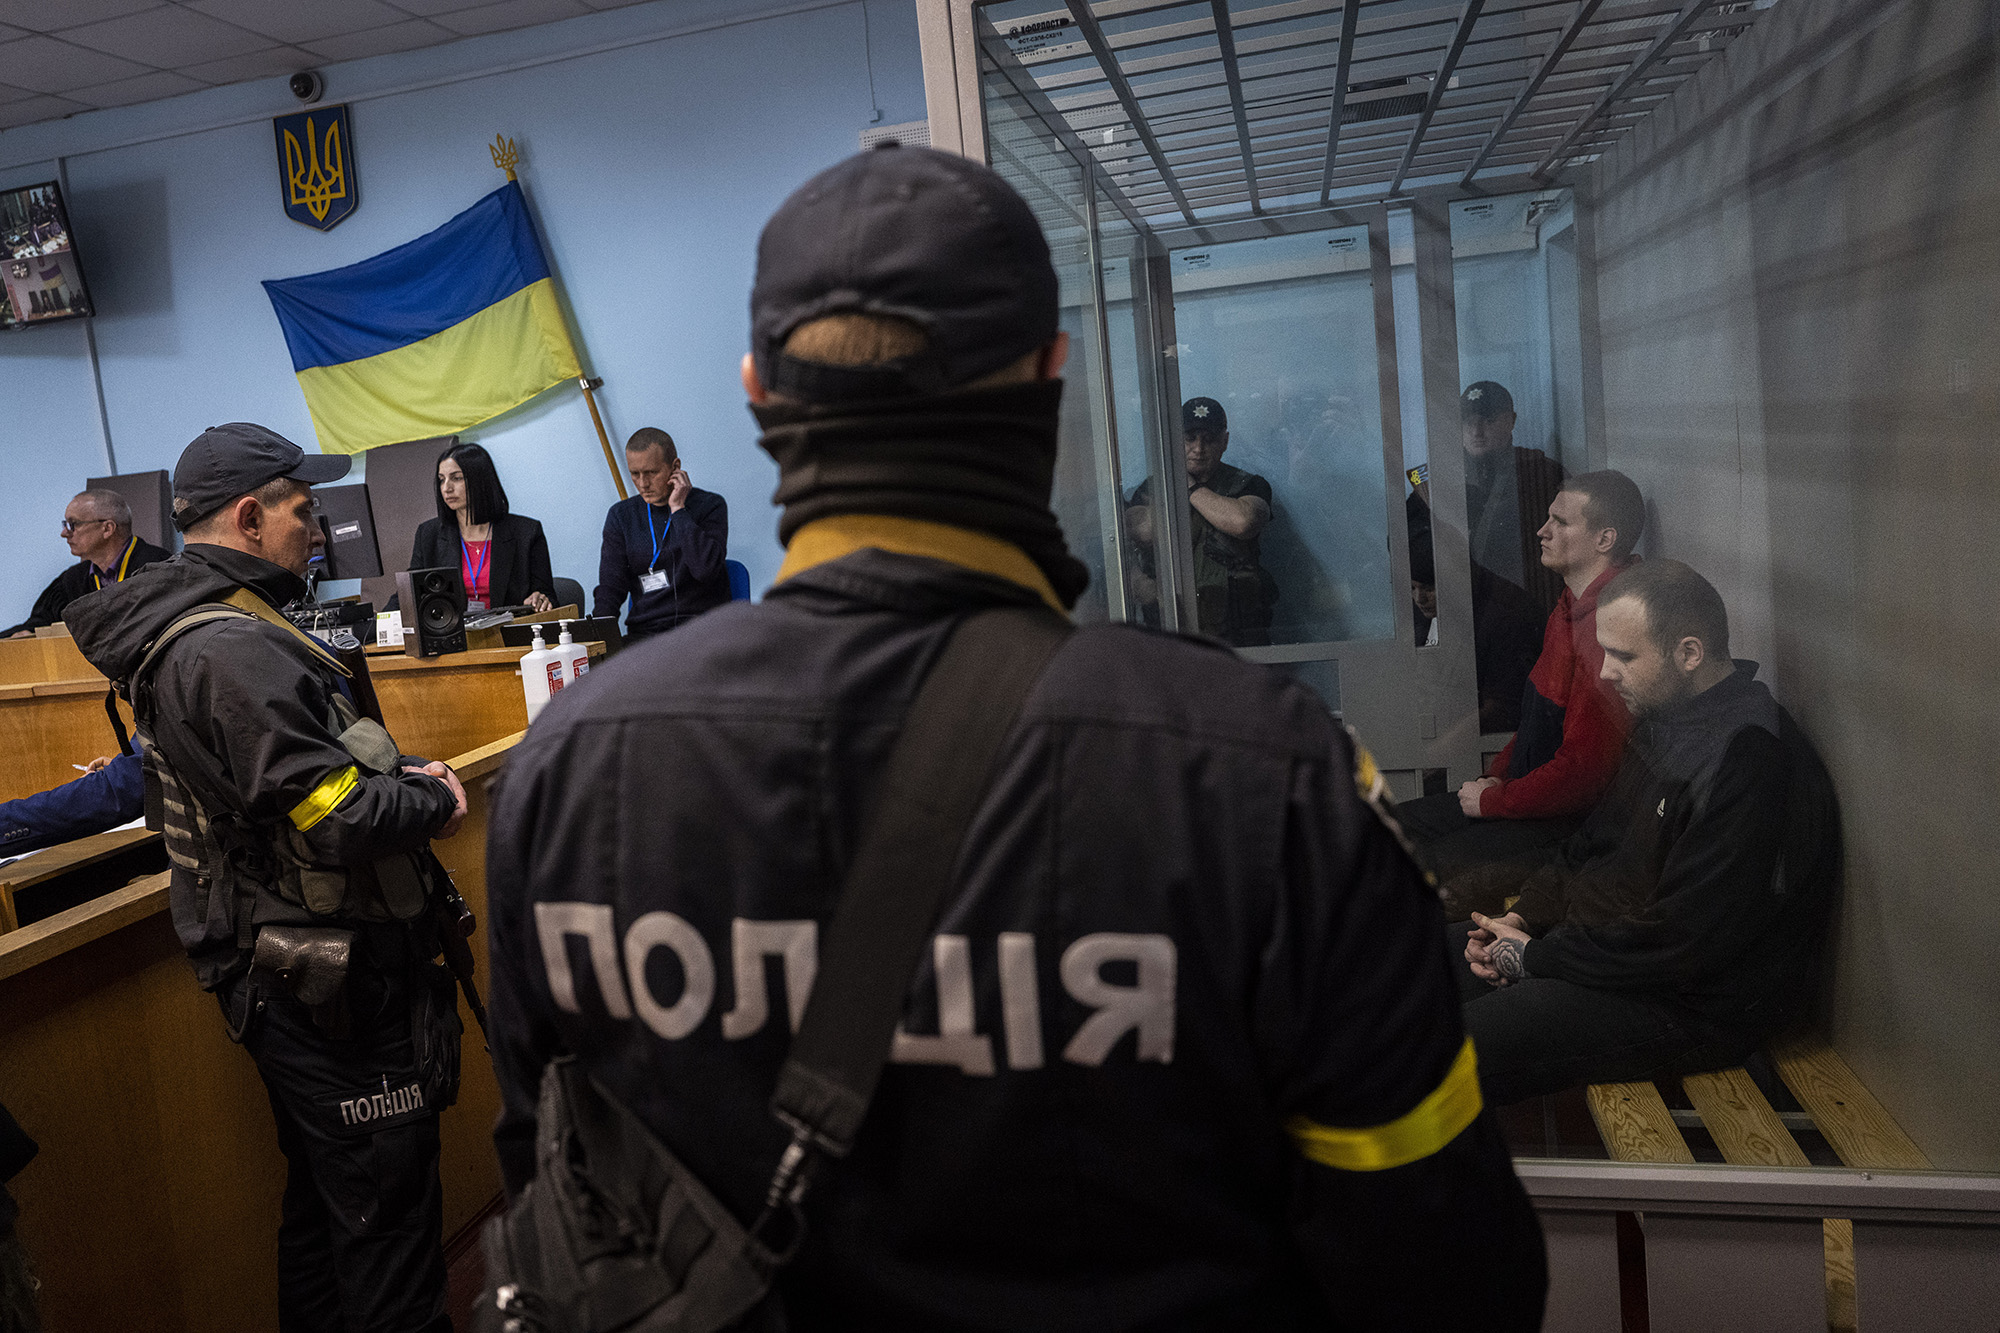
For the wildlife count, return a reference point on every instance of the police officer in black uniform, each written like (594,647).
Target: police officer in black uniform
(299,839)
(1183,1052)
(1227,510)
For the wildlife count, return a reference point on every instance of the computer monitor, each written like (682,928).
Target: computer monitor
(349,523)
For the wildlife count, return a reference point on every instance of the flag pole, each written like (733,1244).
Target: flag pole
(507,158)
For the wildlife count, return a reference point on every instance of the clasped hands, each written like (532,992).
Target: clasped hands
(443,773)
(1495,948)
(1469,794)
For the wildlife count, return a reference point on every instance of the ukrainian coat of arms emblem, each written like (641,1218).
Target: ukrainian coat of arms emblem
(316,166)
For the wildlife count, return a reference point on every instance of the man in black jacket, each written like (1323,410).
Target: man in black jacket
(297,899)
(665,547)
(1184,1052)
(1680,927)
(97,525)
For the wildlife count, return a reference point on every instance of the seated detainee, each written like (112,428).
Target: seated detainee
(503,555)
(97,525)
(666,547)
(111,793)
(1572,727)
(1228,510)
(1681,926)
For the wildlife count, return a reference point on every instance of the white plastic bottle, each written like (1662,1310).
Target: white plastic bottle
(541,675)
(575,656)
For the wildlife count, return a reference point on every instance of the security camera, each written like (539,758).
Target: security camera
(307,85)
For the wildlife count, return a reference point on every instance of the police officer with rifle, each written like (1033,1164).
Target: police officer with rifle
(303,885)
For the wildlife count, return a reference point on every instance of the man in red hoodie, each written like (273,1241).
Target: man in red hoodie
(1482,841)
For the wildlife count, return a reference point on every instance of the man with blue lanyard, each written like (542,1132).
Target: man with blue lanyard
(664,548)
(98,527)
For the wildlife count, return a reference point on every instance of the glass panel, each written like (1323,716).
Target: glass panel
(1321,677)
(1024,150)
(1279,335)
(1521,388)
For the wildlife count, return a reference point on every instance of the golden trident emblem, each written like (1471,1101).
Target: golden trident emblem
(504,155)
(316,174)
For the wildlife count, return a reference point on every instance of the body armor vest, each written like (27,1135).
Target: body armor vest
(208,837)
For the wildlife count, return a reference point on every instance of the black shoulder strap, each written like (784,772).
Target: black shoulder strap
(940,768)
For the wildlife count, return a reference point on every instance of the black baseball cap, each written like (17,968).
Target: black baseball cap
(226,461)
(1204,415)
(913,233)
(1485,399)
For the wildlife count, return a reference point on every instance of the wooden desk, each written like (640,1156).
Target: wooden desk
(31,661)
(48,726)
(438,706)
(154,1202)
(52,863)
(434,707)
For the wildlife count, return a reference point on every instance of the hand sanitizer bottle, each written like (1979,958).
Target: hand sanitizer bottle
(538,681)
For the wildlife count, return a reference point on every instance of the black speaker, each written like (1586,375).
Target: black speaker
(433,601)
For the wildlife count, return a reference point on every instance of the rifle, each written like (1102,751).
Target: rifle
(449,912)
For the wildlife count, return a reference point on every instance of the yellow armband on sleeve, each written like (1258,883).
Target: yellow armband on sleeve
(1428,1126)
(324,799)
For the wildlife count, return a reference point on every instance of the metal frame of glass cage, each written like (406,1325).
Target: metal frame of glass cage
(1194,130)
(1417,707)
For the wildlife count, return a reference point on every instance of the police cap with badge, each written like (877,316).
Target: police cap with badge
(1204,416)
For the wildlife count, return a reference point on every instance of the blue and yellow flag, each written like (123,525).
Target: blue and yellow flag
(430,337)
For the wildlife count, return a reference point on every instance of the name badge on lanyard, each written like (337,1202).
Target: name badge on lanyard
(655,579)
(473,574)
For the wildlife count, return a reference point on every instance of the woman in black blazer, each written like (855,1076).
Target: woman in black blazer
(499,553)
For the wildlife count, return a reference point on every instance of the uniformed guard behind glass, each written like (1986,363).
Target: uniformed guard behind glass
(1228,509)
(1508,490)
(665,547)
(97,528)
(502,556)
(303,886)
(1178,1047)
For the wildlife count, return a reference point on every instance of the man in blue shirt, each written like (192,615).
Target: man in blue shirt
(665,547)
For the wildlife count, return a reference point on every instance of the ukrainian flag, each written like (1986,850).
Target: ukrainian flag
(430,337)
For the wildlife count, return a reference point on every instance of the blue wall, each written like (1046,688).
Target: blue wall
(651,166)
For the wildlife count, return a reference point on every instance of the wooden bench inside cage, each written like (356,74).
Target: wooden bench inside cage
(1732,1112)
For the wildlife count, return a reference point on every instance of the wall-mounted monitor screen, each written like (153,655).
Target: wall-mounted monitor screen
(38,263)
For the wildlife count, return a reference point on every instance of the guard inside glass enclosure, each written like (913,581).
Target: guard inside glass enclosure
(1228,509)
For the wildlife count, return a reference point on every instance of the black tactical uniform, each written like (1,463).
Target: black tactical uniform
(1182,1051)
(1178,930)
(1234,593)
(301,822)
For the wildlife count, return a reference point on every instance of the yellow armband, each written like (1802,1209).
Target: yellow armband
(1425,1128)
(324,799)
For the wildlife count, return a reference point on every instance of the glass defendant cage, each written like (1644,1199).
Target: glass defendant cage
(1335,218)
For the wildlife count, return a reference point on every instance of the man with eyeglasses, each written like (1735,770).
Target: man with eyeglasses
(98,527)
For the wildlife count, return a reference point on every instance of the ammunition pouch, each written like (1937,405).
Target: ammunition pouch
(312,963)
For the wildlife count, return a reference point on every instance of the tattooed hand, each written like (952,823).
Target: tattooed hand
(1506,958)
(1501,941)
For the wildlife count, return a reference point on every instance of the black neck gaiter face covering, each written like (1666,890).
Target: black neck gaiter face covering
(982,459)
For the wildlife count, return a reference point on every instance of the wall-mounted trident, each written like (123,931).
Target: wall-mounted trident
(506,157)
